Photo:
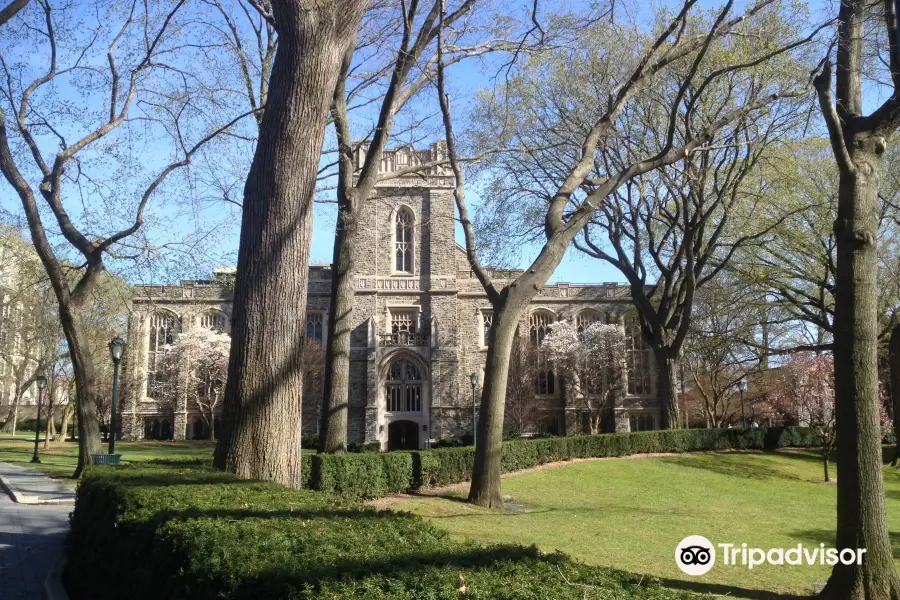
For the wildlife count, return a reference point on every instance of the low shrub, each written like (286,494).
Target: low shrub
(366,475)
(376,475)
(309,441)
(147,531)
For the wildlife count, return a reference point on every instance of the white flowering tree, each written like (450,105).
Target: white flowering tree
(196,365)
(591,360)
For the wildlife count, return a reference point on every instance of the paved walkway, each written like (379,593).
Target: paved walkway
(31,536)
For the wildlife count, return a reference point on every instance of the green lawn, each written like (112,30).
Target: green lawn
(60,460)
(631,513)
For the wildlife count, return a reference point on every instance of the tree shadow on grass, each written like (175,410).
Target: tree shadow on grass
(829,538)
(728,591)
(744,466)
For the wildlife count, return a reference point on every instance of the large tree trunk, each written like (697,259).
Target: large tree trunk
(666,387)
(861,521)
(894,365)
(85,387)
(485,488)
(333,432)
(260,435)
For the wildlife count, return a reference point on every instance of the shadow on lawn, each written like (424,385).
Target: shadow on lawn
(715,589)
(745,466)
(828,537)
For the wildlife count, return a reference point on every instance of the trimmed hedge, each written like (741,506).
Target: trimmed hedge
(378,475)
(366,475)
(150,531)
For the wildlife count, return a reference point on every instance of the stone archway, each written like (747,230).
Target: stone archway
(403,435)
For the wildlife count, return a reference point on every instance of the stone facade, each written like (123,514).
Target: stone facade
(419,334)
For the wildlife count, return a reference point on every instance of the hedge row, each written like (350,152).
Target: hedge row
(149,531)
(378,475)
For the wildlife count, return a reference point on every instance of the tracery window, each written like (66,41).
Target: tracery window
(164,327)
(214,321)
(539,323)
(315,327)
(637,358)
(403,240)
(487,320)
(586,318)
(404,387)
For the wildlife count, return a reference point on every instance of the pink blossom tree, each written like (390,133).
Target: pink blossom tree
(591,360)
(804,392)
(196,365)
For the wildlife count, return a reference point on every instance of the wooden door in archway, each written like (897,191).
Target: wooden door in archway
(403,435)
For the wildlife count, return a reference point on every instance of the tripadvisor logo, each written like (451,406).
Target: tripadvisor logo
(695,555)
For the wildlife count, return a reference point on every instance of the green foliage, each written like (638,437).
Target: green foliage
(434,468)
(378,475)
(186,531)
(363,475)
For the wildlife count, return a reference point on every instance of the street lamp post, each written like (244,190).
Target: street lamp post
(116,350)
(473,378)
(742,387)
(41,383)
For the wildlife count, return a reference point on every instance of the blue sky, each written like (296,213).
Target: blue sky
(170,222)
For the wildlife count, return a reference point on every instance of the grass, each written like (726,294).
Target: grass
(60,460)
(631,513)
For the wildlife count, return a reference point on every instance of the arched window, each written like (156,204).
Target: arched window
(315,327)
(404,387)
(403,240)
(545,384)
(213,320)
(586,318)
(539,326)
(637,356)
(487,319)
(164,327)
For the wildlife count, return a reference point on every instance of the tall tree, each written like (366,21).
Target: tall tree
(573,180)
(260,435)
(859,141)
(57,147)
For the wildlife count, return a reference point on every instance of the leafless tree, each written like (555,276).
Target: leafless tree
(584,182)
(49,148)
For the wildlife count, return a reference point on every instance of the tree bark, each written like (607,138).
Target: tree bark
(485,488)
(894,365)
(85,387)
(333,438)
(667,387)
(861,520)
(260,434)
(67,416)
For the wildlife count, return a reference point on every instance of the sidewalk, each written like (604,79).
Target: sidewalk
(31,537)
(26,486)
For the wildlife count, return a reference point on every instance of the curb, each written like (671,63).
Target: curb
(53,586)
(20,498)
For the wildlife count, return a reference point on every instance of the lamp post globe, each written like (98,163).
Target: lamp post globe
(116,351)
(473,379)
(41,381)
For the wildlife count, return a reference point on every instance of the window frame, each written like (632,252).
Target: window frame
(410,229)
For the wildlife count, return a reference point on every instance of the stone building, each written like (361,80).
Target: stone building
(420,316)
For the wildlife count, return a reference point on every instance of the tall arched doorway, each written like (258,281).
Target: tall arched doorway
(405,404)
(403,435)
